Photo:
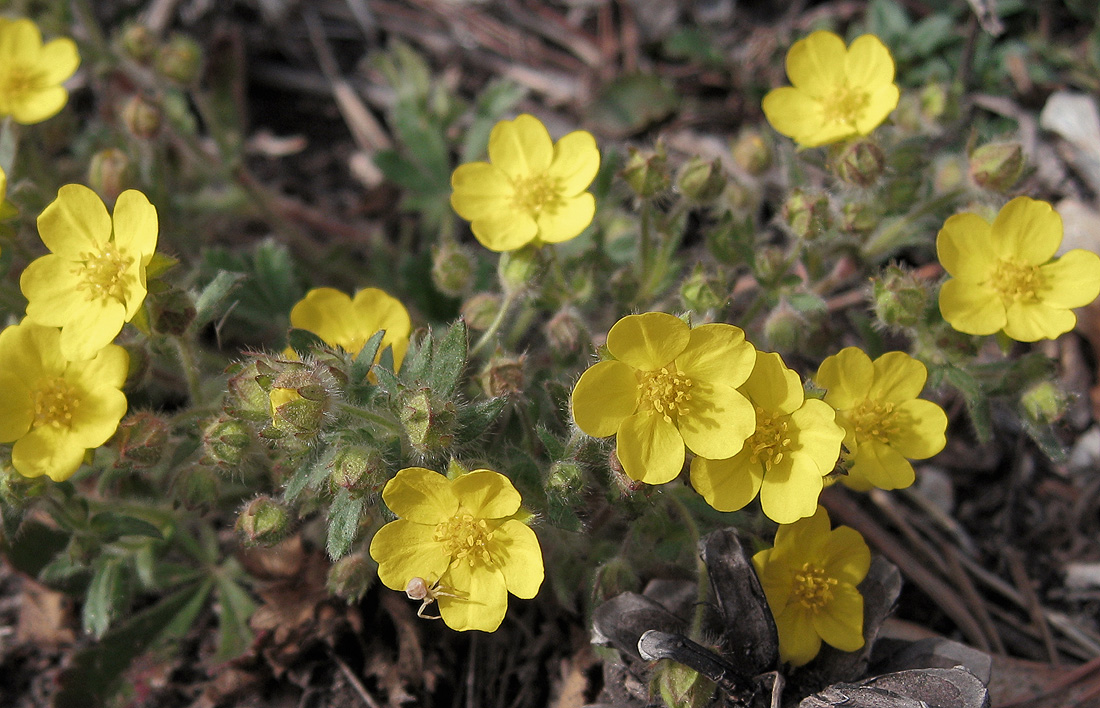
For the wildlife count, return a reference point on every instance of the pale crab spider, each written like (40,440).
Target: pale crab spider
(418,589)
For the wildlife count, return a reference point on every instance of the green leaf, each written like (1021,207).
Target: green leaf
(474,419)
(343,523)
(494,101)
(209,302)
(555,448)
(418,360)
(449,360)
(105,597)
(94,673)
(234,635)
(977,402)
(302,340)
(364,360)
(110,526)
(35,545)
(631,103)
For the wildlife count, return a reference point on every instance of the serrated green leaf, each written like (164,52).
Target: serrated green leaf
(364,359)
(234,635)
(302,340)
(474,419)
(555,448)
(343,523)
(449,360)
(106,594)
(418,360)
(209,302)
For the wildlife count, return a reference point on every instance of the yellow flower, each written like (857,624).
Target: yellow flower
(53,409)
(461,537)
(836,92)
(810,579)
(669,386)
(1004,275)
(93,281)
(796,443)
(31,73)
(884,421)
(532,190)
(348,323)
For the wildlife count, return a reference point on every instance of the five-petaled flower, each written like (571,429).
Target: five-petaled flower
(796,443)
(1004,275)
(462,537)
(348,323)
(809,578)
(837,92)
(531,190)
(31,73)
(884,421)
(52,409)
(93,281)
(668,386)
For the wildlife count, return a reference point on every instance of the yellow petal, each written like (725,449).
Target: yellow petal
(521,147)
(798,640)
(482,601)
(880,465)
(816,63)
(96,416)
(772,386)
(648,341)
(106,370)
(421,495)
(803,540)
(515,550)
(649,448)
(93,325)
(847,377)
(576,162)
(50,285)
(1071,281)
(405,550)
(486,494)
(480,190)
(868,62)
(815,434)
(21,41)
(58,60)
(604,396)
(505,231)
(329,314)
(727,485)
(75,222)
(898,378)
(1032,322)
(880,103)
(922,434)
(717,354)
(971,309)
(840,622)
(718,421)
(377,310)
(1027,230)
(846,556)
(964,247)
(793,112)
(16,407)
(38,105)
(47,451)
(790,489)
(567,219)
(135,224)
(775,579)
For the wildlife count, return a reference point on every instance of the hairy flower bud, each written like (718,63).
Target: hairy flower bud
(224,442)
(701,292)
(701,180)
(301,394)
(997,166)
(566,478)
(733,239)
(1044,403)
(138,42)
(171,311)
(934,101)
(453,268)
(899,298)
(785,329)
(647,175)
(141,440)
(351,577)
(859,218)
(249,384)
(480,310)
(859,163)
(264,521)
(683,687)
(752,152)
(430,424)
(197,487)
(141,117)
(806,214)
(360,469)
(565,330)
(503,376)
(518,270)
(109,173)
(180,59)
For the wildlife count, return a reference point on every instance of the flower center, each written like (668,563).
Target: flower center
(103,274)
(844,105)
(19,81)
(812,587)
(770,442)
(1017,282)
(874,420)
(55,401)
(536,193)
(465,538)
(668,391)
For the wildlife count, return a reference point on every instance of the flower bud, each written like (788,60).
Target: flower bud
(429,424)
(141,440)
(933,101)
(859,218)
(785,329)
(519,269)
(647,175)
(752,151)
(565,331)
(141,117)
(480,310)
(566,478)
(732,239)
(503,376)
(109,173)
(806,215)
(171,311)
(1044,403)
(351,577)
(361,470)
(701,293)
(138,42)
(701,180)
(264,521)
(300,397)
(899,298)
(997,166)
(180,59)
(770,265)
(614,577)
(682,687)
(453,268)
(224,442)
(197,487)
(949,173)
(859,163)
(249,384)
